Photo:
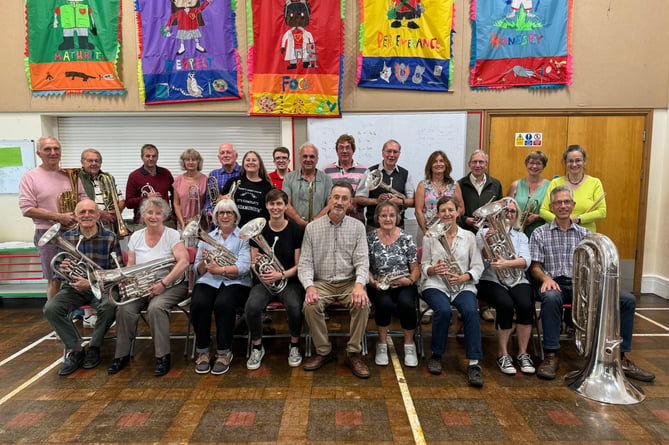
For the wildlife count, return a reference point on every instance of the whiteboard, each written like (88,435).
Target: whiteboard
(419,134)
(16,158)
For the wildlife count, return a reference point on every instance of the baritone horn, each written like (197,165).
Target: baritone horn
(80,265)
(66,201)
(375,179)
(596,317)
(531,206)
(267,262)
(221,255)
(438,231)
(110,198)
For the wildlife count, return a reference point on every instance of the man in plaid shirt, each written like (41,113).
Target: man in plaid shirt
(227,155)
(97,243)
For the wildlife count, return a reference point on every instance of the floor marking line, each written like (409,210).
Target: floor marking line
(27,348)
(650,320)
(410,408)
(29,382)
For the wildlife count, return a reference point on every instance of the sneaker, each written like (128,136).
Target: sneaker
(222,364)
(487,314)
(255,360)
(634,372)
(434,365)
(89,322)
(381,357)
(410,356)
(294,357)
(78,314)
(525,363)
(548,368)
(203,363)
(505,364)
(73,361)
(426,319)
(475,375)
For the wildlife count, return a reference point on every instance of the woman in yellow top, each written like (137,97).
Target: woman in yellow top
(587,191)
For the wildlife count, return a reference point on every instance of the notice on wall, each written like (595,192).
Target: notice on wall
(528,139)
(16,158)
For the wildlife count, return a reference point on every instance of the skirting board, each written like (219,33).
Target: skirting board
(654,284)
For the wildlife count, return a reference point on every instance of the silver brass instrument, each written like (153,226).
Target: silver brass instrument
(193,208)
(233,189)
(496,241)
(220,255)
(80,265)
(110,198)
(267,262)
(385,281)
(531,206)
(596,316)
(438,231)
(147,189)
(375,179)
(212,190)
(66,201)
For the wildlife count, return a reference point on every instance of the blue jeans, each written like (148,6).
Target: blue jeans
(465,302)
(551,315)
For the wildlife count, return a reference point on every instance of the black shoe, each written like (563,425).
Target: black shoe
(632,371)
(162,365)
(434,365)
(92,358)
(72,362)
(117,364)
(475,376)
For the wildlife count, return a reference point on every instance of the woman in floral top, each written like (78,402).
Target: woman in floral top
(393,271)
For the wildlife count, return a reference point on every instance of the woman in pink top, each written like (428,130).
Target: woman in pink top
(190,190)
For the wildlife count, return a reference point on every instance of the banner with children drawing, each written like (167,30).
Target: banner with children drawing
(72,46)
(295,57)
(521,43)
(406,44)
(187,50)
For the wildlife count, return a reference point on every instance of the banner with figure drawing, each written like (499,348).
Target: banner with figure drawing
(72,46)
(406,44)
(295,57)
(521,43)
(187,50)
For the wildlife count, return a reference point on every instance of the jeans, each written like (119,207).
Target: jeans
(466,304)
(292,298)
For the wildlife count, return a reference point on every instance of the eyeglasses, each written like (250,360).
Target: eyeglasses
(575,161)
(281,158)
(511,212)
(93,161)
(226,213)
(564,202)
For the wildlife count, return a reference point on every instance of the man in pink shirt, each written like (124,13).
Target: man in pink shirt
(38,194)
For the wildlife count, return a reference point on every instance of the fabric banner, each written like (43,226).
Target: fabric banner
(295,57)
(521,43)
(187,50)
(406,44)
(72,46)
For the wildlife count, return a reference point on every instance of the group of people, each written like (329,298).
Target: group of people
(332,235)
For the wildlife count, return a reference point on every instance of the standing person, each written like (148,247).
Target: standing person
(307,188)
(531,189)
(252,185)
(38,199)
(281,158)
(478,188)
(588,191)
(153,242)
(346,169)
(220,289)
(394,176)
(97,244)
(184,189)
(393,272)
(146,178)
(227,156)
(91,169)
(334,266)
(285,239)
(440,289)
(552,249)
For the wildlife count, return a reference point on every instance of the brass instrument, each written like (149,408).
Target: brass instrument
(438,231)
(310,213)
(233,189)
(596,316)
(531,206)
(375,179)
(496,241)
(385,281)
(146,190)
(212,190)
(220,255)
(110,198)
(193,207)
(80,265)
(66,201)
(267,262)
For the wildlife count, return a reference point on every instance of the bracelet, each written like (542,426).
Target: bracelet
(163,283)
(283,275)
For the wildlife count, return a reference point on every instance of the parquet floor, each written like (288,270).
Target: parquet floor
(278,404)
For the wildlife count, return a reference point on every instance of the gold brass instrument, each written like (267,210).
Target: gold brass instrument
(267,262)
(110,198)
(375,179)
(66,201)
(596,316)
(496,241)
(385,281)
(531,206)
(220,255)
(310,213)
(146,190)
(80,265)
(438,231)
(193,207)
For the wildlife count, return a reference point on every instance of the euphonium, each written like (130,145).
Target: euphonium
(212,190)
(267,262)
(66,201)
(220,255)
(385,281)
(147,189)
(596,316)
(233,189)
(496,241)
(375,179)
(80,265)
(110,198)
(438,231)
(530,207)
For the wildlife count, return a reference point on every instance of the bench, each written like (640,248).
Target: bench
(20,271)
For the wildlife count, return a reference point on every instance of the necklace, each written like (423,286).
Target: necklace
(577,182)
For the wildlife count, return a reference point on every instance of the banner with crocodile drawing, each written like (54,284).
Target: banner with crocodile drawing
(72,46)
(521,43)
(295,57)
(187,50)
(406,44)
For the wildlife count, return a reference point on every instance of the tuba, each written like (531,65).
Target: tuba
(110,198)
(375,179)
(66,201)
(220,255)
(596,316)
(530,207)
(268,261)
(438,231)
(496,241)
(80,265)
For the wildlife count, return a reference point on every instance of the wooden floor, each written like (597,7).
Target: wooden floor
(278,404)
